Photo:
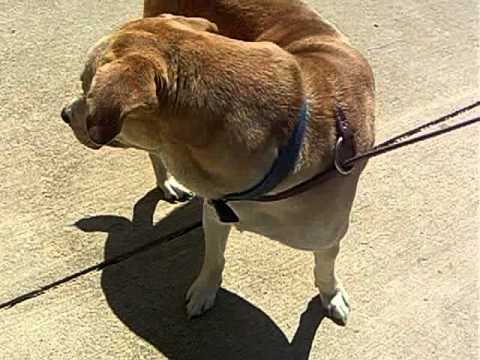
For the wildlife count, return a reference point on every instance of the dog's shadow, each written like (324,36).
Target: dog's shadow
(146,291)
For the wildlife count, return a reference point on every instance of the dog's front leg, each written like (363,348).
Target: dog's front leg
(334,298)
(203,291)
(172,191)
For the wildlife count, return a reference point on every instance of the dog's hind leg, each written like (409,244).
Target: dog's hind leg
(334,298)
(202,293)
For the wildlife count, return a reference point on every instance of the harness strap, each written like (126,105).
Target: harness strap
(285,163)
(344,149)
(224,212)
(281,169)
(345,156)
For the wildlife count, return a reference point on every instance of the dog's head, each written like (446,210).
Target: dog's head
(124,80)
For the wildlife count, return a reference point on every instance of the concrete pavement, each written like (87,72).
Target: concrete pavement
(409,263)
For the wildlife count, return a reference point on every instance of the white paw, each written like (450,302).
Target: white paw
(174,192)
(201,297)
(337,307)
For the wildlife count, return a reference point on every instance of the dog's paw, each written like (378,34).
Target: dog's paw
(173,192)
(337,307)
(200,297)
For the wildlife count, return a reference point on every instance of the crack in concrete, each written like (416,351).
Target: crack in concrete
(100,266)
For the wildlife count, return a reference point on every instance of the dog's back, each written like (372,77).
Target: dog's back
(250,20)
(333,70)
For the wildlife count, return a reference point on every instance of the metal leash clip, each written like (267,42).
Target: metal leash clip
(340,158)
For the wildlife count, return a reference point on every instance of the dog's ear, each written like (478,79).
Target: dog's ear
(120,87)
(196,23)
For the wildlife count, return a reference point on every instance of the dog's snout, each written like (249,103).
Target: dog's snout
(66,115)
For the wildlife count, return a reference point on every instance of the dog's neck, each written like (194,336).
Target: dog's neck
(245,88)
(224,95)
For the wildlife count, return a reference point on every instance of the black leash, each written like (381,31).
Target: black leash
(344,166)
(345,157)
(403,140)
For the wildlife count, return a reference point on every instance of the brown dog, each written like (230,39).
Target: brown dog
(217,113)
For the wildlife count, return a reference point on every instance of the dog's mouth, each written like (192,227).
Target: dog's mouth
(92,146)
(82,134)
(75,116)
(117,144)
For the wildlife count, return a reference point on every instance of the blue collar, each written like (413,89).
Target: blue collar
(283,165)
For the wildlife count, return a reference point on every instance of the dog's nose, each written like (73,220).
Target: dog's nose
(66,115)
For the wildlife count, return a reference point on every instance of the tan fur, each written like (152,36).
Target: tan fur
(213,110)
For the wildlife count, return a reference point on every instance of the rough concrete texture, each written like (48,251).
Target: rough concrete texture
(410,261)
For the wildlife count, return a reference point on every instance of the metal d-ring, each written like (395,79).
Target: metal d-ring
(341,168)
